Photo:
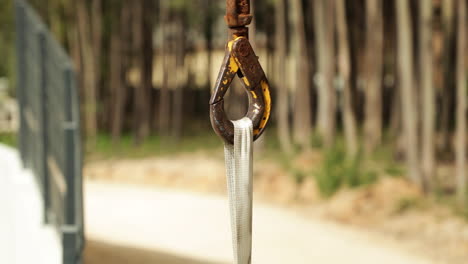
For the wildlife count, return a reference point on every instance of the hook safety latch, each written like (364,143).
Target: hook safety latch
(240,59)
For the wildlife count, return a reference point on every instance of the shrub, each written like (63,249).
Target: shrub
(8,139)
(337,171)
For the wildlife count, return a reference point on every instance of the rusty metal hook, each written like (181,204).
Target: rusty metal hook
(240,59)
(238,13)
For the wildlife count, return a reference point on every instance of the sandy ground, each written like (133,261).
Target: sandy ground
(391,210)
(99,252)
(135,225)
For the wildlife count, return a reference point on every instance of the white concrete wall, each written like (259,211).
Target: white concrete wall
(23,237)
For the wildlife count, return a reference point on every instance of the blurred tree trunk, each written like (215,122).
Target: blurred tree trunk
(374,71)
(88,71)
(323,15)
(73,37)
(118,67)
(96,22)
(54,18)
(115,81)
(406,82)
(74,44)
(164,105)
(395,118)
(302,107)
(282,108)
(428,92)
(43,9)
(143,62)
(208,33)
(178,105)
(448,17)
(461,103)
(396,123)
(344,68)
(147,52)
(137,62)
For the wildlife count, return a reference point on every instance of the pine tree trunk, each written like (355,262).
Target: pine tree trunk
(147,52)
(406,82)
(208,34)
(143,48)
(178,105)
(115,81)
(324,35)
(73,36)
(344,68)
(374,71)
(96,32)
(302,107)
(88,71)
(55,20)
(395,120)
(282,108)
(462,94)
(428,92)
(119,66)
(448,17)
(164,104)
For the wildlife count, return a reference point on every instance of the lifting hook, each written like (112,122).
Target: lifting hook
(240,60)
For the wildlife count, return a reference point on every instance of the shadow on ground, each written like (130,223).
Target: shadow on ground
(98,252)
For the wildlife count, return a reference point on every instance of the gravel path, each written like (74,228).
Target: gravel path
(196,227)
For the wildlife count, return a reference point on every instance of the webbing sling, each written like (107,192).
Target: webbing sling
(238,158)
(240,60)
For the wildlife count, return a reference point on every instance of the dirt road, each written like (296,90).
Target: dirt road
(148,225)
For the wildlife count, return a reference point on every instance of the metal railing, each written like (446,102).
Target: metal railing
(49,136)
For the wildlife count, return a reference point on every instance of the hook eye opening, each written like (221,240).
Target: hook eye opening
(258,111)
(237,100)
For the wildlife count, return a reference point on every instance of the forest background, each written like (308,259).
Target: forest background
(376,87)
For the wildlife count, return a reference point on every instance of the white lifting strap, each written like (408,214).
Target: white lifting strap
(238,158)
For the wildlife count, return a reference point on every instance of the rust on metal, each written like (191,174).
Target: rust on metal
(240,60)
(238,13)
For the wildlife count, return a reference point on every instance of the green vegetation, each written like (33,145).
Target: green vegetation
(337,171)
(316,141)
(385,162)
(447,198)
(106,148)
(463,212)
(394,170)
(9,139)
(331,175)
